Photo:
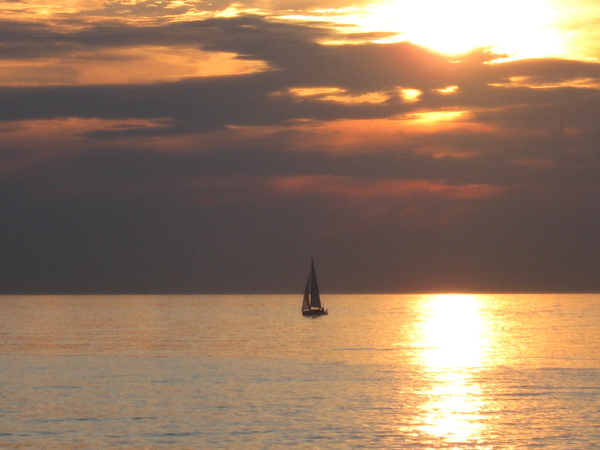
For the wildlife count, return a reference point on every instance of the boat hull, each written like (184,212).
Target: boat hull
(314,312)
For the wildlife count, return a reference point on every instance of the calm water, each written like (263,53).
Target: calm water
(249,372)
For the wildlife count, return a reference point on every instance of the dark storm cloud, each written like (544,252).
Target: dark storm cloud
(548,70)
(195,105)
(296,59)
(573,109)
(23,40)
(213,103)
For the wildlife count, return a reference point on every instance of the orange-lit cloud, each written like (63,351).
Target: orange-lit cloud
(125,66)
(362,189)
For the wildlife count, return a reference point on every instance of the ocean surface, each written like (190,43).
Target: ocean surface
(448,371)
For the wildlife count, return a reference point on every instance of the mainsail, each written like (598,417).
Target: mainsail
(315,298)
(311,303)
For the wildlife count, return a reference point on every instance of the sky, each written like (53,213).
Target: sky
(182,146)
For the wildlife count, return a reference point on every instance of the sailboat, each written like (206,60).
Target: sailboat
(311,303)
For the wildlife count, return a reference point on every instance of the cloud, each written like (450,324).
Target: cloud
(486,178)
(295,59)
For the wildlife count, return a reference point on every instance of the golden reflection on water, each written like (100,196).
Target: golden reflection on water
(452,342)
(452,332)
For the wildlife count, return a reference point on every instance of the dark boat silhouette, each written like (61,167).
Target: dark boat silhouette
(311,303)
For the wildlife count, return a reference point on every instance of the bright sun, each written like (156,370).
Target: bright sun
(511,26)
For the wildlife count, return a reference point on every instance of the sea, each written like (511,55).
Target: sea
(422,371)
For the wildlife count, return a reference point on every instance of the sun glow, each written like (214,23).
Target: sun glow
(513,26)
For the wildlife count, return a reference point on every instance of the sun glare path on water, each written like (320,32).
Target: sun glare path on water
(452,342)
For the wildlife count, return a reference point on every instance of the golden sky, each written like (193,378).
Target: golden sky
(202,135)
